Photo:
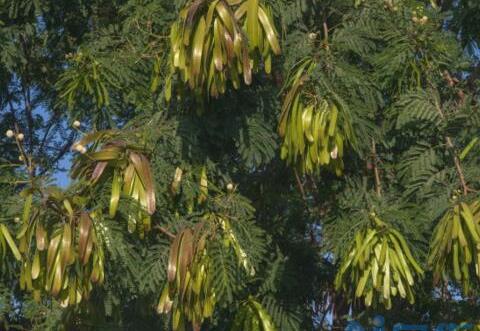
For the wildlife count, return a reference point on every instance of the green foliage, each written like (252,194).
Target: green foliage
(402,74)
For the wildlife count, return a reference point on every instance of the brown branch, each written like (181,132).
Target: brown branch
(61,151)
(51,123)
(160,228)
(458,165)
(325,35)
(25,158)
(300,187)
(451,147)
(378,184)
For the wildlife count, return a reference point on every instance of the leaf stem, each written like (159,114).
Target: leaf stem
(160,228)
(378,184)
(451,147)
(300,187)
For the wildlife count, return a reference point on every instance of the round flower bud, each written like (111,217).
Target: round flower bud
(334,153)
(16,219)
(78,147)
(83,150)
(20,136)
(10,133)
(312,36)
(230,187)
(76,124)
(20,158)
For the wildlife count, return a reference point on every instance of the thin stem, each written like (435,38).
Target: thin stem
(170,235)
(300,187)
(378,184)
(451,147)
(25,158)
(325,35)
(458,165)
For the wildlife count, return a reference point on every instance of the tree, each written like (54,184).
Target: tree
(238,165)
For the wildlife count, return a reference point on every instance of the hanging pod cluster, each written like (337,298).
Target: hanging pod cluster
(379,266)
(113,156)
(315,130)
(61,252)
(455,248)
(216,41)
(253,317)
(189,293)
(6,239)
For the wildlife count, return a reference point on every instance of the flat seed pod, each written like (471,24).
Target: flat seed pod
(455,244)
(113,157)
(215,42)
(314,130)
(378,266)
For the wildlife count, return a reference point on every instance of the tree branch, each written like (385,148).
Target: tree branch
(451,147)
(170,235)
(300,187)
(378,184)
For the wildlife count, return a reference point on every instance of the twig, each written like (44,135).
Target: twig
(378,184)
(451,147)
(25,158)
(325,35)
(458,165)
(165,231)
(300,187)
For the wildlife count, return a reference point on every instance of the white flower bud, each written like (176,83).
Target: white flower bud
(76,124)
(9,133)
(78,147)
(20,136)
(312,36)
(20,158)
(16,219)
(64,303)
(229,187)
(83,150)
(334,153)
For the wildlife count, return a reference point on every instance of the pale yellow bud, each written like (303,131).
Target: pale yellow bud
(9,133)
(76,124)
(78,147)
(334,153)
(230,187)
(20,136)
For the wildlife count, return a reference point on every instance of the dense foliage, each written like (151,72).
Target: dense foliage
(238,164)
